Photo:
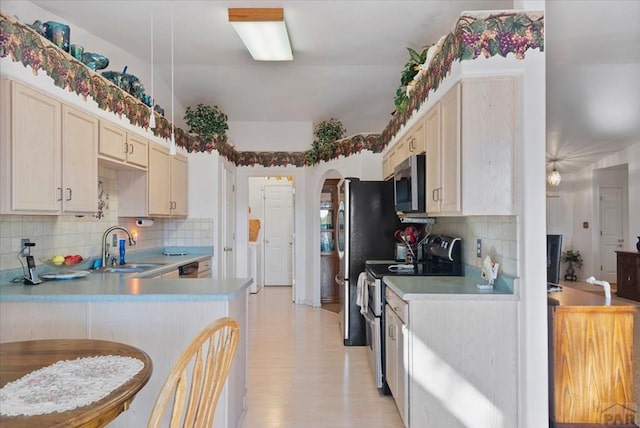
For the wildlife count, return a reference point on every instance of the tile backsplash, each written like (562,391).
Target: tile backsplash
(498,235)
(68,234)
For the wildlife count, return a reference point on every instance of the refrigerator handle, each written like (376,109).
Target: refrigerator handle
(339,279)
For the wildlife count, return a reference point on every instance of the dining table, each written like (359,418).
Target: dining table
(19,360)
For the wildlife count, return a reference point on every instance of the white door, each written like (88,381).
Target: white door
(228,225)
(611,238)
(278,235)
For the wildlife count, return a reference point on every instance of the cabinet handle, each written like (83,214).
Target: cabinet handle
(391,331)
(433,195)
(126,148)
(70,194)
(440,194)
(131,146)
(59,194)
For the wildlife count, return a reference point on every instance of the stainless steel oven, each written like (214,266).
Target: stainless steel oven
(374,345)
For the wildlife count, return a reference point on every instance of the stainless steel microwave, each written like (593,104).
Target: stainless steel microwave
(409,184)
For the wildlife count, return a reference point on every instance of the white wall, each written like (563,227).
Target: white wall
(578,196)
(271,136)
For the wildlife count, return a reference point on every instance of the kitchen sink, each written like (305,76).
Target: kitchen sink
(133,267)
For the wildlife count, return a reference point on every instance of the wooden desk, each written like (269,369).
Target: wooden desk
(20,358)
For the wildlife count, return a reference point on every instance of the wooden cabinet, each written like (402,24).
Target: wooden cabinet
(590,360)
(470,149)
(416,139)
(48,152)
(118,145)
(412,143)
(168,183)
(329,262)
(79,161)
(628,274)
(387,170)
(396,351)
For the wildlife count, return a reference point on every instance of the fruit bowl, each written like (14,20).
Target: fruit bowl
(60,261)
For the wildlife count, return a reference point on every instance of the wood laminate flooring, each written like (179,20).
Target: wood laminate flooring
(301,375)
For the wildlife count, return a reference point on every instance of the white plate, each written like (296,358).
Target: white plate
(65,275)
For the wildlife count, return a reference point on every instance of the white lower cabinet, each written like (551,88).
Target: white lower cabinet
(396,351)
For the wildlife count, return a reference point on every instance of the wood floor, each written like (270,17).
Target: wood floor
(301,375)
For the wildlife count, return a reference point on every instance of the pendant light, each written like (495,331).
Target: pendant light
(554,177)
(172,146)
(152,116)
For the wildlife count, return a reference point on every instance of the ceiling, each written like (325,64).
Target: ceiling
(348,56)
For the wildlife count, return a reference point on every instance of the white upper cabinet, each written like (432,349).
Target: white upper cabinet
(470,145)
(49,163)
(124,148)
(168,186)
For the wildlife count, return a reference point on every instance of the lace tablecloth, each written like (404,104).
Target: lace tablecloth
(67,385)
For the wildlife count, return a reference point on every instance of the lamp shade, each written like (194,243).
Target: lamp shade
(263,32)
(554,178)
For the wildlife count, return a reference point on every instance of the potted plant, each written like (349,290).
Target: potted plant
(327,133)
(416,59)
(206,122)
(573,258)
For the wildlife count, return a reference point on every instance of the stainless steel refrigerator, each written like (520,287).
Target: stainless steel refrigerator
(366,223)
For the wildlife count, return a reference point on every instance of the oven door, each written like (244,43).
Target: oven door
(374,346)
(375,294)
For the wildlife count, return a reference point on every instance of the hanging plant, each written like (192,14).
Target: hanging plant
(408,72)
(207,122)
(327,133)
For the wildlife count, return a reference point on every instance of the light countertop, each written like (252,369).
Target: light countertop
(444,288)
(100,286)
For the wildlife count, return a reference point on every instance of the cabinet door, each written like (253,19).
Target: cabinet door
(450,193)
(416,139)
(179,186)
(79,161)
(35,151)
(391,349)
(159,176)
(137,150)
(432,143)
(387,170)
(402,372)
(112,141)
(402,149)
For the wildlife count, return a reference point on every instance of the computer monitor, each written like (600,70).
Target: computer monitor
(554,251)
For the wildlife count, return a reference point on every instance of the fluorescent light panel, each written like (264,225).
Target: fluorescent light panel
(263,32)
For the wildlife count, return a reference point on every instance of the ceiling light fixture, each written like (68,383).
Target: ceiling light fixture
(263,31)
(554,177)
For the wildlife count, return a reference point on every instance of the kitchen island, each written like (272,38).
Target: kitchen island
(159,316)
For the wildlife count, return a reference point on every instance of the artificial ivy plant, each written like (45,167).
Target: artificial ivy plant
(327,133)
(416,59)
(207,122)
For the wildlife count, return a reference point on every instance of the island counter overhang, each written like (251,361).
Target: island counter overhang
(159,316)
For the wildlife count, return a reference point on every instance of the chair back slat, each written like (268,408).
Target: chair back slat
(205,380)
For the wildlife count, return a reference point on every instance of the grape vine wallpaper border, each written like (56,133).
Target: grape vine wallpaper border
(486,34)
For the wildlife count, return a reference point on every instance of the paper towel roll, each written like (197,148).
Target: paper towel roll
(144,222)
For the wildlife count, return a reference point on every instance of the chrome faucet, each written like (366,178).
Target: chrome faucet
(105,246)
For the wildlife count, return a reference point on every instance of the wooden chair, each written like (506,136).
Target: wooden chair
(203,367)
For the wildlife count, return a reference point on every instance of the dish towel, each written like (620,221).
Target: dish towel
(362,293)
